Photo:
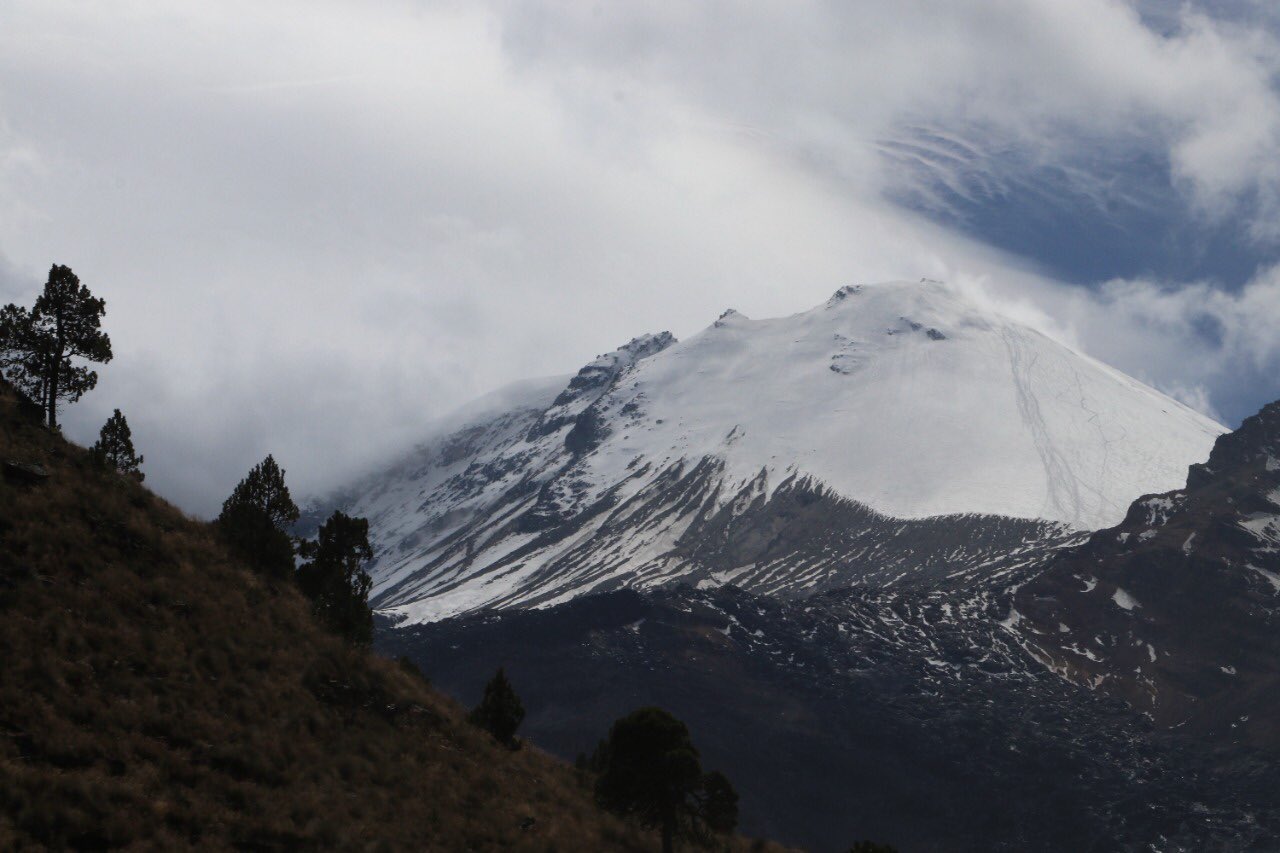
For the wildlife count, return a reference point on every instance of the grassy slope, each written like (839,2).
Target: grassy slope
(153,693)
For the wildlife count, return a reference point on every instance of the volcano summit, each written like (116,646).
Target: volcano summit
(894,432)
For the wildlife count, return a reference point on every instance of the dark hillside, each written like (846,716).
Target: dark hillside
(153,694)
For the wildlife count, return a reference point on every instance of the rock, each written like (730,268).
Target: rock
(24,474)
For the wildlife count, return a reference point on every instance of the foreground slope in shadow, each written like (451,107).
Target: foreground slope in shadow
(155,694)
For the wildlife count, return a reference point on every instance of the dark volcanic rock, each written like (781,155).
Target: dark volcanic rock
(1177,609)
(858,715)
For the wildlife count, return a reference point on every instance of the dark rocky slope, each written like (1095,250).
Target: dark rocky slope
(857,714)
(1177,609)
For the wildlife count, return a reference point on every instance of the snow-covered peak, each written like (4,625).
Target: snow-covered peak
(894,431)
(910,398)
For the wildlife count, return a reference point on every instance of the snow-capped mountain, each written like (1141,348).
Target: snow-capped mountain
(892,435)
(1112,694)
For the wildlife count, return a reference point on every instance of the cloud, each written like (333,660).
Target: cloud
(1211,349)
(320,226)
(1045,78)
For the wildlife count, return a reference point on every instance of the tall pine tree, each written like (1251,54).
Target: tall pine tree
(42,350)
(114,447)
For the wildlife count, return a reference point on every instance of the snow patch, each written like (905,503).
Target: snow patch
(1271,577)
(1124,600)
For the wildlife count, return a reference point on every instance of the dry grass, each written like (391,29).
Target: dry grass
(153,694)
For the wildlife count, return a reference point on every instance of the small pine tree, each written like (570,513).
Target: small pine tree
(335,579)
(256,517)
(500,712)
(114,447)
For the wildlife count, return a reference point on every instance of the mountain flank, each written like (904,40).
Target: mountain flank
(156,694)
(1177,608)
(894,433)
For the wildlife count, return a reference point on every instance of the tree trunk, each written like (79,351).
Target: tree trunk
(55,366)
(51,389)
(55,375)
(668,837)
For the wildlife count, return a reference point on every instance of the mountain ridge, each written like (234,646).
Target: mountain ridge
(902,398)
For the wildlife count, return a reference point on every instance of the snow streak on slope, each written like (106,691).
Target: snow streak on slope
(733,456)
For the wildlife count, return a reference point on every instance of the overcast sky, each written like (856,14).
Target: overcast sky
(319,226)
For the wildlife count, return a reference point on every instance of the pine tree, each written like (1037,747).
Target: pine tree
(23,354)
(37,346)
(718,803)
(114,447)
(255,520)
(335,579)
(500,712)
(652,772)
